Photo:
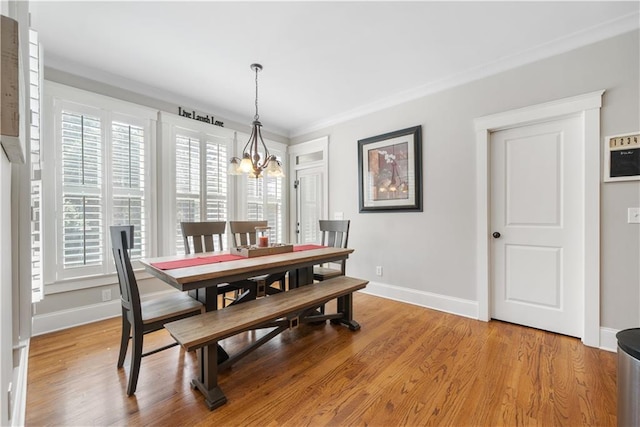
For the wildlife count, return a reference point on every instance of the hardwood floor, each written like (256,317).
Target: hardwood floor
(406,366)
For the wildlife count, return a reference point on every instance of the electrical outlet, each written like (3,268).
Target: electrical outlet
(106,295)
(379,270)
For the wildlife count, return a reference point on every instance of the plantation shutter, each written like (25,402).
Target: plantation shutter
(274,208)
(255,200)
(82,213)
(128,182)
(35,82)
(216,180)
(187,184)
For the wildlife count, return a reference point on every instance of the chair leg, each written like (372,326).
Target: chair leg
(124,339)
(136,356)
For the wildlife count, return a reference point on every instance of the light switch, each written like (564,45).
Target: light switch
(633,216)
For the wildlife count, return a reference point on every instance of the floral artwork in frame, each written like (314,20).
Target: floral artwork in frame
(390,171)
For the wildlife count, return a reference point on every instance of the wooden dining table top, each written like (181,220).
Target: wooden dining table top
(204,275)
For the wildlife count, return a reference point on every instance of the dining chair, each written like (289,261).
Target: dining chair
(140,318)
(334,233)
(244,233)
(208,236)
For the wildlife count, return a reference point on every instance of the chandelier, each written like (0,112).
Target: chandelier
(253,162)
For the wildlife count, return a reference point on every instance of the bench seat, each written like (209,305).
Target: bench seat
(197,331)
(281,311)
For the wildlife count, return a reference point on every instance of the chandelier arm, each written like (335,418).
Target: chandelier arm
(244,149)
(267,155)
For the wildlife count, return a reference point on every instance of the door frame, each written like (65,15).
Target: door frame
(587,106)
(308,147)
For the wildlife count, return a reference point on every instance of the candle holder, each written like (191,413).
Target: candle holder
(262,237)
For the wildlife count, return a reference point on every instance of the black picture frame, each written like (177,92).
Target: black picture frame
(390,171)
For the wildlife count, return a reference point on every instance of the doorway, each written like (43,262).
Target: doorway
(309,189)
(586,108)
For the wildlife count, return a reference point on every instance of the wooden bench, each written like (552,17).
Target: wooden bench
(280,311)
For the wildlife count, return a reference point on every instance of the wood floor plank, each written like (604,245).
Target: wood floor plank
(406,366)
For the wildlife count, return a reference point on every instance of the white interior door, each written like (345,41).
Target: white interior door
(310,204)
(536,220)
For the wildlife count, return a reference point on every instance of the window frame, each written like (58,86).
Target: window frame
(56,98)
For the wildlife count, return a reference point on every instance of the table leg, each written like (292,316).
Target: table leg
(207,381)
(210,304)
(300,277)
(345,306)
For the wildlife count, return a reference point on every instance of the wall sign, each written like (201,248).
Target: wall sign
(622,157)
(199,117)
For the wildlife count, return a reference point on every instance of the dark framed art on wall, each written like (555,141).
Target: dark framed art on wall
(390,171)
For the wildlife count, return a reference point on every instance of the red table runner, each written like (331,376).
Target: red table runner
(212,259)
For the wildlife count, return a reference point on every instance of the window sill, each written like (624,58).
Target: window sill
(87,282)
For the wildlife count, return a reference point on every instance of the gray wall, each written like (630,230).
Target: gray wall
(434,251)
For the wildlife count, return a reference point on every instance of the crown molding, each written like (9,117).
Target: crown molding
(605,30)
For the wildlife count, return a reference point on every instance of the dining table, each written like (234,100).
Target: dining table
(209,269)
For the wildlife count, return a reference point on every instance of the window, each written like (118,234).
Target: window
(102,152)
(198,156)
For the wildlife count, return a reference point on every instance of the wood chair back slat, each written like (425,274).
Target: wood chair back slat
(244,232)
(204,236)
(335,233)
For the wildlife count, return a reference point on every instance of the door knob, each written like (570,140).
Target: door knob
(496,234)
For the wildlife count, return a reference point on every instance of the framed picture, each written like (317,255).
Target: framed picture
(390,171)
(622,157)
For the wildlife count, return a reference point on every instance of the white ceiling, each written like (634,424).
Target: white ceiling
(323,61)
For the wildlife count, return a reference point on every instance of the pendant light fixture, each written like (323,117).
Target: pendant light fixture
(255,154)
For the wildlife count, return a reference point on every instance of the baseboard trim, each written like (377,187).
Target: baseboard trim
(20,398)
(608,340)
(457,306)
(64,319)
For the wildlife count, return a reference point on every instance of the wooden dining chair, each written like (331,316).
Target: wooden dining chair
(208,236)
(244,233)
(334,233)
(203,236)
(140,318)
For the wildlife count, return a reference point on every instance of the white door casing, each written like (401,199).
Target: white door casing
(587,106)
(536,222)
